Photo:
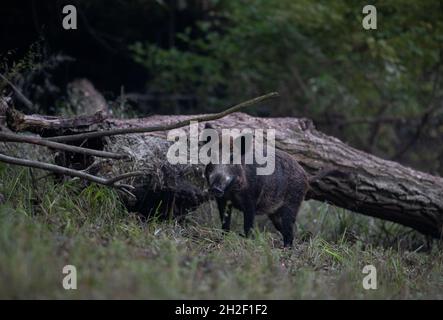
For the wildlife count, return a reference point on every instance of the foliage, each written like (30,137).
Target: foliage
(322,61)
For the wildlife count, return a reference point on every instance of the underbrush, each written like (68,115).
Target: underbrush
(45,226)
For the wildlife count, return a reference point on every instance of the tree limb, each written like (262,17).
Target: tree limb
(209,117)
(18,121)
(11,137)
(110,182)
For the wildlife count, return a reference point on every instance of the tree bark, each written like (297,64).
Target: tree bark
(49,125)
(372,186)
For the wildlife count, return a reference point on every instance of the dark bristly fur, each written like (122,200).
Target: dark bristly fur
(278,195)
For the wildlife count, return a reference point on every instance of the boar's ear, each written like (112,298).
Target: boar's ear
(244,143)
(210,126)
(208,138)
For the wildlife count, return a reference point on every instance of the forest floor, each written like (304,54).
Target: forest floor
(44,226)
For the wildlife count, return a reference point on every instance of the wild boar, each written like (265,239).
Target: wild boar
(278,195)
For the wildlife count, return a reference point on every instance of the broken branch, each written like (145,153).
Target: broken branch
(18,121)
(204,118)
(110,182)
(11,137)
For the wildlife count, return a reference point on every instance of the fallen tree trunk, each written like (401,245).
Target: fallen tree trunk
(373,186)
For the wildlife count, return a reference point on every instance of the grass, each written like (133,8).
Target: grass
(45,226)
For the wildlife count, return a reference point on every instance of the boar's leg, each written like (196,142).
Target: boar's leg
(225,215)
(226,223)
(221,204)
(276,221)
(287,224)
(248,216)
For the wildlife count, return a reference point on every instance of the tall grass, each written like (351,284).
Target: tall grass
(44,226)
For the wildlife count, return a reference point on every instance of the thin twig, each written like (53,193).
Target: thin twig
(12,137)
(110,182)
(210,117)
(19,94)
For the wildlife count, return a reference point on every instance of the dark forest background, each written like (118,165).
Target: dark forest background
(378,90)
